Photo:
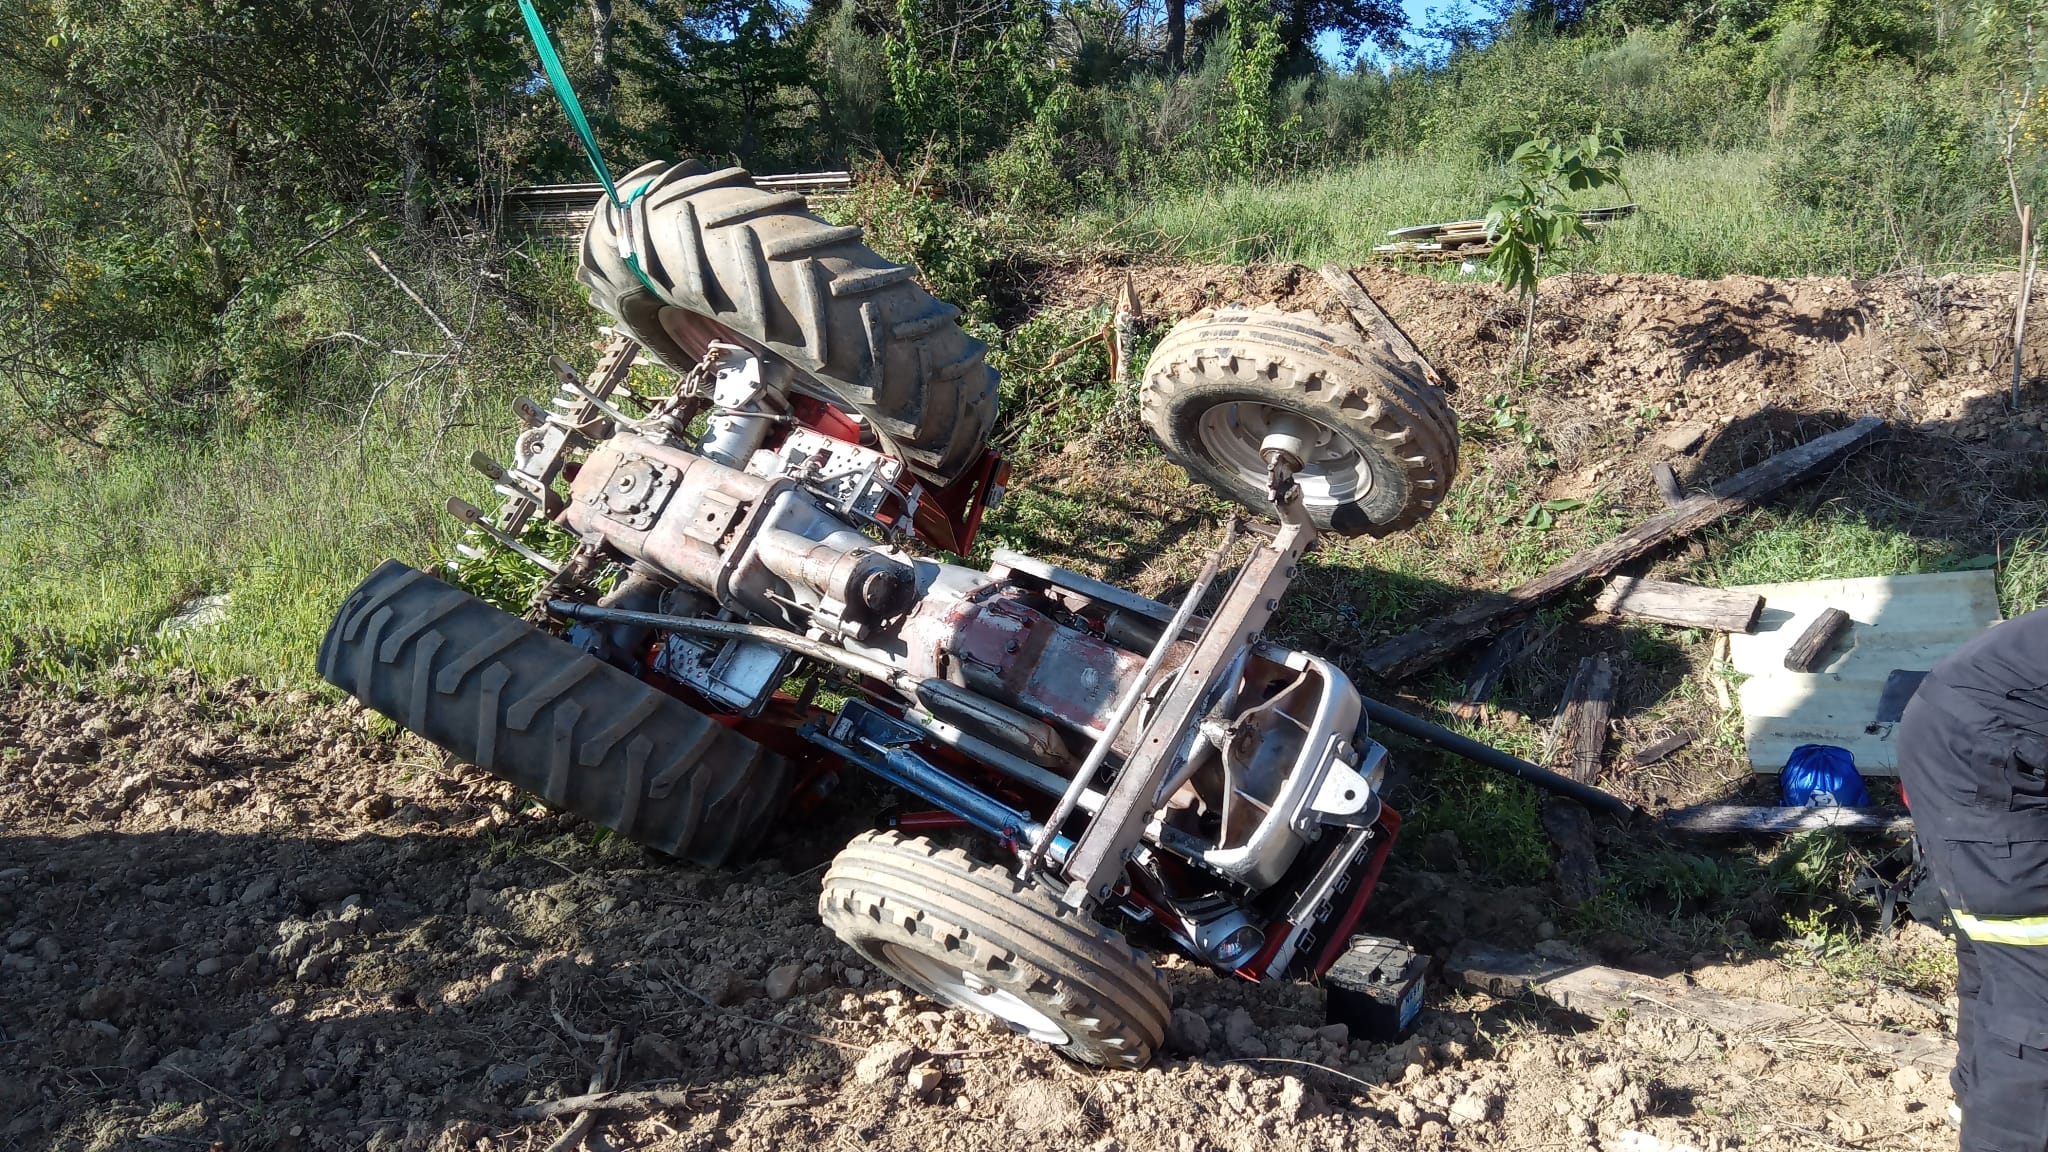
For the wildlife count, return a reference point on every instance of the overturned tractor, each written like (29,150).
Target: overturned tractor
(762,538)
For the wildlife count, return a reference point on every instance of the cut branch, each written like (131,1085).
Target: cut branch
(453,340)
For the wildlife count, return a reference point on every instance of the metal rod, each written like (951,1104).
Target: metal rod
(913,773)
(473,516)
(801,645)
(1002,760)
(1128,706)
(928,691)
(1492,757)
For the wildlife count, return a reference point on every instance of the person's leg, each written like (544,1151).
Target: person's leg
(1968,983)
(2008,1106)
(1998,895)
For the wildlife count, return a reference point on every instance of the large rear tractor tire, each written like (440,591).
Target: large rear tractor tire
(757,265)
(551,718)
(972,936)
(1385,443)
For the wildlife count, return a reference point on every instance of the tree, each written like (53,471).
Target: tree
(730,77)
(1356,23)
(1533,218)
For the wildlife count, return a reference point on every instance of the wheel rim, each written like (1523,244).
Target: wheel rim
(960,987)
(1334,472)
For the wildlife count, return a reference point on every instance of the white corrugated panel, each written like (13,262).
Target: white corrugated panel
(1897,623)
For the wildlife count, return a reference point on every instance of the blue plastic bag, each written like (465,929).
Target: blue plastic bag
(1821,774)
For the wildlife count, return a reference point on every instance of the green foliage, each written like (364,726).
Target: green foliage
(1768,549)
(1658,88)
(2023,579)
(1249,132)
(1903,161)
(915,223)
(721,78)
(962,79)
(1052,404)
(1532,217)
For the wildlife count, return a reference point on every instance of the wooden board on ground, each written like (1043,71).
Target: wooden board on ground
(1765,820)
(1900,623)
(1600,992)
(1645,757)
(1427,646)
(1582,720)
(1486,673)
(1374,321)
(1807,651)
(1681,605)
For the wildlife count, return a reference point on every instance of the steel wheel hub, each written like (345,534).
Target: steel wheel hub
(965,989)
(1332,471)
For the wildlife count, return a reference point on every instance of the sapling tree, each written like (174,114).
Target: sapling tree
(1534,217)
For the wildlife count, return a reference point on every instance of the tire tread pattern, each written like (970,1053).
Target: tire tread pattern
(887,888)
(1293,359)
(760,264)
(551,718)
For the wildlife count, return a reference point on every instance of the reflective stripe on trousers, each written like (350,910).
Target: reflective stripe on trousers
(2022,930)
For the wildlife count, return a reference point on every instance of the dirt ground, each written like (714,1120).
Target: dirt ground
(236,919)
(239,920)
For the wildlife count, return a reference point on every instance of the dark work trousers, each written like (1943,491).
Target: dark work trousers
(1973,760)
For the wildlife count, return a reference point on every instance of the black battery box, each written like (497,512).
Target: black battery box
(1375,989)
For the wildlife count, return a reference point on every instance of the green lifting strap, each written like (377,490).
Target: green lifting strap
(551,64)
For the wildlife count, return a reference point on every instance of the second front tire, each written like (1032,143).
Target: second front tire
(973,936)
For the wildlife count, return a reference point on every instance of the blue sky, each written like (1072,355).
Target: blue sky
(1331,47)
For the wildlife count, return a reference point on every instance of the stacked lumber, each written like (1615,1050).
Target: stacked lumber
(564,209)
(1466,239)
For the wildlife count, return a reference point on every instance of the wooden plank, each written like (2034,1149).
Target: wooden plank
(1429,645)
(1601,992)
(1659,750)
(1589,699)
(1486,674)
(1682,605)
(1908,622)
(1769,820)
(1819,636)
(1668,486)
(1374,321)
(1577,868)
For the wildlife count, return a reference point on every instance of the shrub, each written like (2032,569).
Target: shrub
(1908,163)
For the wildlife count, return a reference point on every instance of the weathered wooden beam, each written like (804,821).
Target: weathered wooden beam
(1429,645)
(1599,991)
(1659,750)
(1805,653)
(1668,486)
(1769,820)
(1576,868)
(1682,605)
(1582,719)
(1374,321)
(1486,674)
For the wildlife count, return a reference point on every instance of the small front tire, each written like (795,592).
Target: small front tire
(973,936)
(1384,444)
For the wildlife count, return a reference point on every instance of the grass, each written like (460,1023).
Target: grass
(285,519)
(1772,548)
(1700,214)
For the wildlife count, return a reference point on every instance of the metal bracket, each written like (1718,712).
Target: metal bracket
(1098,858)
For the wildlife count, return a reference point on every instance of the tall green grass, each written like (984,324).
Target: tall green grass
(1700,214)
(97,554)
